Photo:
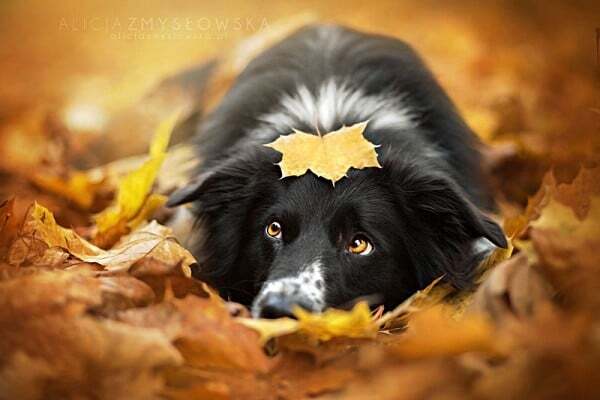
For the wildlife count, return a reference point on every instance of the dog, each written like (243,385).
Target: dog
(378,234)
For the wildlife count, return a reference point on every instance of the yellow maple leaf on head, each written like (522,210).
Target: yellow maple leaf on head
(329,156)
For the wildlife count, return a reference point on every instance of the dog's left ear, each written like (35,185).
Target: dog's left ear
(441,203)
(441,225)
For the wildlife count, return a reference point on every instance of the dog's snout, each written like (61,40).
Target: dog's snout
(276,305)
(278,298)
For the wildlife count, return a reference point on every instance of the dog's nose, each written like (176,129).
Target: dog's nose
(277,305)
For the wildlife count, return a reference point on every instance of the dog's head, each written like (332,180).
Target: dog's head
(299,241)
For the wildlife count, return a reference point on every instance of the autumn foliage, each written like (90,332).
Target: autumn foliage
(96,294)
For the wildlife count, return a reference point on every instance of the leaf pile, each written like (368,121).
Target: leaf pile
(129,322)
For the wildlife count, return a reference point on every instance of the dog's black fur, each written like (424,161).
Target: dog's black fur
(422,211)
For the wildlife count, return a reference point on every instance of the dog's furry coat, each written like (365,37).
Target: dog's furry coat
(421,212)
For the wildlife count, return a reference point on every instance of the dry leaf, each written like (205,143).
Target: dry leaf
(329,156)
(41,240)
(270,328)
(51,347)
(130,204)
(356,323)
(149,250)
(432,295)
(79,187)
(434,332)
(512,289)
(332,323)
(563,220)
(204,332)
(8,226)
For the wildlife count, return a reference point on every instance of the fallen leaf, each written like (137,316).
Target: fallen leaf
(434,332)
(270,328)
(514,288)
(79,187)
(129,208)
(329,156)
(8,226)
(41,239)
(204,332)
(332,323)
(563,221)
(356,323)
(432,295)
(123,292)
(149,250)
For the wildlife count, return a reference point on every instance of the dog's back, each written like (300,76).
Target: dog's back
(326,76)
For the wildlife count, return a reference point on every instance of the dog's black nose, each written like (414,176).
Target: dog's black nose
(276,307)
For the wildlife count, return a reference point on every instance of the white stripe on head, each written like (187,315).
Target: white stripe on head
(334,101)
(309,285)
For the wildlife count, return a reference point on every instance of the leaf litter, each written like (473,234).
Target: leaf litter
(109,310)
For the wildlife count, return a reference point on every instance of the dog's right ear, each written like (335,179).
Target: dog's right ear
(189,192)
(230,180)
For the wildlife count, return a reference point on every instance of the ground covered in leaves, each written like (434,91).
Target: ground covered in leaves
(96,298)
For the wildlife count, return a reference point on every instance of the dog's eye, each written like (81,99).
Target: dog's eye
(274,230)
(360,245)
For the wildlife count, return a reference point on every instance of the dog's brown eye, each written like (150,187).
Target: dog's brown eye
(274,229)
(360,245)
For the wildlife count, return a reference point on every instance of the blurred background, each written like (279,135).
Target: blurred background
(83,83)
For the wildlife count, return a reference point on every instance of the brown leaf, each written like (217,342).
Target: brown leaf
(8,226)
(513,289)
(51,348)
(150,250)
(40,235)
(433,332)
(204,332)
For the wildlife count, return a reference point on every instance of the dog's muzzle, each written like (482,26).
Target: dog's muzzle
(278,305)
(279,297)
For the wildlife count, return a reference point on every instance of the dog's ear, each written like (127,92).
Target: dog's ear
(226,181)
(440,202)
(223,196)
(189,192)
(441,225)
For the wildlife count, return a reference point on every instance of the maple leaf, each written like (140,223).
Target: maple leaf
(133,203)
(356,323)
(40,236)
(151,249)
(270,328)
(329,156)
(333,323)
(434,332)
(79,187)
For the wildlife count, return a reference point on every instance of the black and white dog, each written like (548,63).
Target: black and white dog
(384,233)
